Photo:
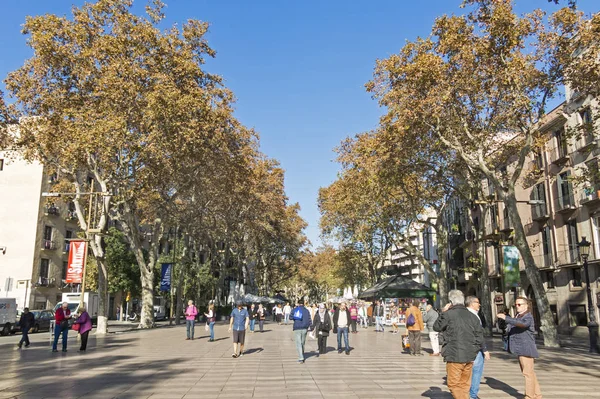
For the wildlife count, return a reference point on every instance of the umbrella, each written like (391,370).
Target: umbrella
(397,287)
(251,298)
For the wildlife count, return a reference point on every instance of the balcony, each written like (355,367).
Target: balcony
(565,203)
(567,257)
(48,245)
(589,197)
(469,238)
(559,156)
(45,282)
(506,225)
(491,229)
(544,261)
(586,143)
(71,215)
(539,213)
(66,247)
(52,210)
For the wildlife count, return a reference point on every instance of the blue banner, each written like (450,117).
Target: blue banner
(165,277)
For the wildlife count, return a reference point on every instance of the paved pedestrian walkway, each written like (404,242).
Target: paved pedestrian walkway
(160,363)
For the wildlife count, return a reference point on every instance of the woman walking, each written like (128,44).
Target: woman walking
(84,323)
(394,316)
(521,342)
(321,327)
(190,319)
(211,317)
(252,313)
(262,315)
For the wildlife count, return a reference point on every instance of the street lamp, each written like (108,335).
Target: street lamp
(584,253)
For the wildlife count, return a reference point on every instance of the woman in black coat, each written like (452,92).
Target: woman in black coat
(321,326)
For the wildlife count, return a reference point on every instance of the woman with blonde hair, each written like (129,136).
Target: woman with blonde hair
(211,317)
(83,324)
(521,342)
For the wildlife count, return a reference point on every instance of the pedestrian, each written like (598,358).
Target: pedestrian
(502,327)
(463,336)
(414,325)
(353,317)
(262,315)
(394,318)
(379,313)
(341,319)
(474,306)
(370,309)
(61,327)
(362,315)
(84,323)
(287,309)
(521,342)
(302,323)
(190,319)
(279,313)
(26,321)
(431,316)
(322,325)
(211,317)
(313,310)
(252,313)
(274,312)
(239,321)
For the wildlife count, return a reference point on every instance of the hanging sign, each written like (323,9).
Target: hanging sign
(165,277)
(76,265)
(512,275)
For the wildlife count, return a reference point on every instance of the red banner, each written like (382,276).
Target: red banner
(76,266)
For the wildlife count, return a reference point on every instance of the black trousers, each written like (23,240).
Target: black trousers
(322,343)
(353,325)
(84,338)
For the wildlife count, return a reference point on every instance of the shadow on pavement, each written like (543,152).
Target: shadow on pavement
(253,350)
(499,385)
(435,392)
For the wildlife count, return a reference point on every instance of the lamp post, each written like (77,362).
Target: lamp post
(584,253)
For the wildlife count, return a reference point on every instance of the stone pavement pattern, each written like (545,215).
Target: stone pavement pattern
(160,363)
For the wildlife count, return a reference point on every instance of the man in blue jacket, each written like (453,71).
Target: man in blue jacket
(302,323)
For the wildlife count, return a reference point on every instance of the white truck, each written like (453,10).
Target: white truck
(90,299)
(8,315)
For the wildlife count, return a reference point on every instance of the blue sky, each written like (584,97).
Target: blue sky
(297,68)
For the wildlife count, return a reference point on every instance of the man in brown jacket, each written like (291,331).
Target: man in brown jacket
(414,325)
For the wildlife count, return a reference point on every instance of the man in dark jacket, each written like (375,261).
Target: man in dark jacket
(341,321)
(302,323)
(379,313)
(463,337)
(26,321)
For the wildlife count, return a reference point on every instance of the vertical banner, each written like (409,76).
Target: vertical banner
(165,277)
(76,265)
(512,275)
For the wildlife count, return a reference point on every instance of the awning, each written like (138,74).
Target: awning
(397,287)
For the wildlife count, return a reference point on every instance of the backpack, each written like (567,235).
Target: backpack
(297,313)
(410,321)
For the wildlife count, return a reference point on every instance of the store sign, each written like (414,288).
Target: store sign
(76,265)
(512,275)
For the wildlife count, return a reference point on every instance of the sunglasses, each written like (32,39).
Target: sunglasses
(519,304)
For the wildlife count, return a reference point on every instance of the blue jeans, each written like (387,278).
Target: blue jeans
(25,337)
(378,323)
(57,333)
(476,375)
(286,318)
(252,322)
(343,331)
(189,327)
(211,327)
(300,340)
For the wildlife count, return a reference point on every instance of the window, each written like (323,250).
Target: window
(554,311)
(48,233)
(586,116)
(45,268)
(576,277)
(65,266)
(548,277)
(68,235)
(578,315)
(561,142)
(547,246)
(573,238)
(565,190)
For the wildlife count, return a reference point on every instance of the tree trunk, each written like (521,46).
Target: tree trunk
(548,326)
(179,295)
(441,234)
(147,314)
(485,297)
(103,299)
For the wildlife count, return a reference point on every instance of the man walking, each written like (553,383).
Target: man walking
(463,337)
(26,321)
(379,313)
(474,306)
(431,316)
(287,309)
(414,325)
(239,321)
(302,323)
(341,320)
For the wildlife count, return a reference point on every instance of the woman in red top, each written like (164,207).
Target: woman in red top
(61,317)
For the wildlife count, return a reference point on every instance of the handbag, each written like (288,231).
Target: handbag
(206,327)
(64,324)
(76,327)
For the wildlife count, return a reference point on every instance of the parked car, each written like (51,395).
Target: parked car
(42,318)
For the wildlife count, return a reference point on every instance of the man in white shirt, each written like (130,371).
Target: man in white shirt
(341,320)
(287,309)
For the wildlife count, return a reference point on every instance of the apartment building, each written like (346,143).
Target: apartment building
(399,260)
(34,234)
(558,208)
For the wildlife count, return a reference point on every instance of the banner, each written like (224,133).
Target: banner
(76,265)
(165,277)
(512,275)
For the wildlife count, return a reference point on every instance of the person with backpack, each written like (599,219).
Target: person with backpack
(302,323)
(414,325)
(341,319)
